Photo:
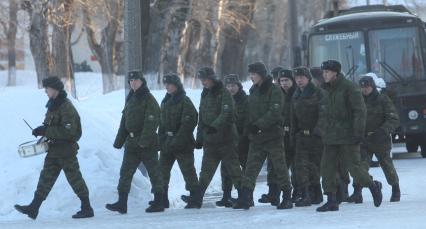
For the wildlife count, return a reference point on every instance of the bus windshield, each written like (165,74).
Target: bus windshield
(399,49)
(347,48)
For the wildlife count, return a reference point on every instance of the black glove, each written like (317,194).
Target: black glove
(210,130)
(359,140)
(198,145)
(39,131)
(253,129)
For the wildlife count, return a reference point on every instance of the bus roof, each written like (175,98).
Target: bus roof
(361,20)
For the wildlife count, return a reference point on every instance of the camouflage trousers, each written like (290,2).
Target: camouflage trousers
(273,150)
(243,147)
(131,161)
(185,160)
(227,155)
(289,153)
(308,160)
(345,158)
(52,168)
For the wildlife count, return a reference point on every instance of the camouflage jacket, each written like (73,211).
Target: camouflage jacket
(241,110)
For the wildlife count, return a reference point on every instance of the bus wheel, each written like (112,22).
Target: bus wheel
(411,144)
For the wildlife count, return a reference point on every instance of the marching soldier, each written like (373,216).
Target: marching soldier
(306,129)
(138,134)
(62,128)
(382,120)
(233,85)
(344,124)
(265,133)
(216,132)
(177,122)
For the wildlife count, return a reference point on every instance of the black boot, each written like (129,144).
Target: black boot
(305,200)
(185,198)
(376,191)
(265,198)
(226,200)
(286,203)
(86,210)
(243,199)
(356,197)
(250,198)
(396,193)
(330,205)
(316,194)
(274,197)
(121,205)
(195,199)
(296,195)
(158,204)
(165,198)
(31,210)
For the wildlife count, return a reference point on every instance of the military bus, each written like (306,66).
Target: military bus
(389,41)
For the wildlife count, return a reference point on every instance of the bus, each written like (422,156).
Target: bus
(389,41)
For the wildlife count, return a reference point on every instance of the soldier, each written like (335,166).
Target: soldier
(138,134)
(62,128)
(216,132)
(306,130)
(344,124)
(382,120)
(265,131)
(177,122)
(275,74)
(233,85)
(287,85)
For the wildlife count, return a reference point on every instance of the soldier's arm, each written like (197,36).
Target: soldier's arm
(391,116)
(151,122)
(294,127)
(226,115)
(322,99)
(188,120)
(359,111)
(121,134)
(68,127)
(273,116)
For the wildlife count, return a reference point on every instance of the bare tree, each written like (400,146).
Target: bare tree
(105,50)
(11,41)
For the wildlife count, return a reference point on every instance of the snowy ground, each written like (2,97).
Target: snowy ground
(100,165)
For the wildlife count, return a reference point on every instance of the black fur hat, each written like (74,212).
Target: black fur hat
(53,82)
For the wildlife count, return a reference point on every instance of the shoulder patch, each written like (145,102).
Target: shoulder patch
(151,117)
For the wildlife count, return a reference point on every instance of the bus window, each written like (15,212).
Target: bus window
(398,48)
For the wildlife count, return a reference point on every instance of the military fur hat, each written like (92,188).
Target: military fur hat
(135,74)
(332,65)
(275,72)
(285,73)
(172,79)
(232,79)
(53,82)
(366,81)
(258,68)
(302,71)
(206,73)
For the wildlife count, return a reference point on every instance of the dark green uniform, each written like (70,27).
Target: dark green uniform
(63,131)
(382,119)
(177,122)
(137,132)
(307,105)
(344,125)
(218,134)
(265,115)
(241,114)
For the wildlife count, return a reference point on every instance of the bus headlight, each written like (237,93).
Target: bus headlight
(413,115)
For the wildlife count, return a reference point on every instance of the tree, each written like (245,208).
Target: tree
(11,40)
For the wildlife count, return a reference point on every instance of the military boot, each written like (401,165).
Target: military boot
(376,191)
(330,205)
(158,204)
(356,197)
(119,206)
(250,198)
(296,195)
(286,203)
(86,210)
(274,197)
(226,200)
(31,210)
(194,200)
(243,199)
(316,194)
(305,200)
(265,198)
(165,197)
(396,193)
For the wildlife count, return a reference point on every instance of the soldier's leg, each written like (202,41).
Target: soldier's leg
(302,162)
(255,160)
(226,179)
(167,159)
(350,159)
(209,165)
(365,157)
(329,165)
(75,179)
(388,168)
(150,160)
(231,162)
(186,164)
(48,176)
(275,153)
(128,168)
(243,148)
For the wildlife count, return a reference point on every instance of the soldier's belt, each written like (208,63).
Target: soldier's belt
(170,133)
(306,132)
(133,135)
(286,129)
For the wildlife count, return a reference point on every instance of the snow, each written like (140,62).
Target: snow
(100,164)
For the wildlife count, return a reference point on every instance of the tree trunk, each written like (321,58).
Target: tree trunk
(61,44)
(145,21)
(11,40)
